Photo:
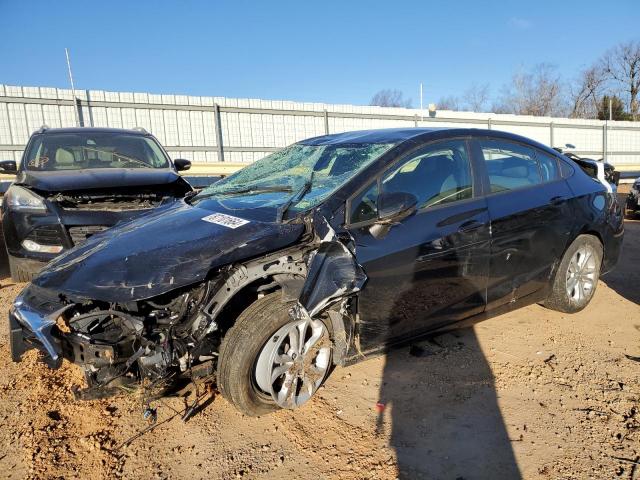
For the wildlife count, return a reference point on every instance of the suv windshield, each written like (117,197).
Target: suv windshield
(75,151)
(299,176)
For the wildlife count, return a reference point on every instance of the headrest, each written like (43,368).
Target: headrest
(64,157)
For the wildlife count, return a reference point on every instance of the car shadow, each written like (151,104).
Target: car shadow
(439,399)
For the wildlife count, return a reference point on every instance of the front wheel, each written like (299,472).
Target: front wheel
(269,361)
(577,275)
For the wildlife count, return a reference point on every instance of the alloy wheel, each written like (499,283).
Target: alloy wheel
(581,275)
(294,362)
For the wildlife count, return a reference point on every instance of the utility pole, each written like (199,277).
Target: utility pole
(73,89)
(610,112)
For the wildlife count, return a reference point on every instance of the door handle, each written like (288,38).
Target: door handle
(557,200)
(470,226)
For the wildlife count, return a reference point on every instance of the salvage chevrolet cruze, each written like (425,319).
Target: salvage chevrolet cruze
(74,182)
(323,254)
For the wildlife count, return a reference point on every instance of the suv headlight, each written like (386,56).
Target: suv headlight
(19,198)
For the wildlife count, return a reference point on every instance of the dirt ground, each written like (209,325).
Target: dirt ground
(532,394)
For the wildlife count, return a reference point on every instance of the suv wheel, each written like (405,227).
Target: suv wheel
(577,275)
(268,361)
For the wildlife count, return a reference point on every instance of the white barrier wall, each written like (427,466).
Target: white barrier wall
(210,129)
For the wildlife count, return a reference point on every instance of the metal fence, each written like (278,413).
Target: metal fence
(218,129)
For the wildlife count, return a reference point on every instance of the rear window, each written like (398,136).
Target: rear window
(510,166)
(76,151)
(548,167)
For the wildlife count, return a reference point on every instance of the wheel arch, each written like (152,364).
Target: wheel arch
(240,285)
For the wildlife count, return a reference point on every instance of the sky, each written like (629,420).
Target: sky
(329,51)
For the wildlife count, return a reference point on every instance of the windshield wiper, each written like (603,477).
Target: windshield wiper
(249,190)
(116,154)
(295,198)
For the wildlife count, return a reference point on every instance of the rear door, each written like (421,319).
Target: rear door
(531,218)
(431,268)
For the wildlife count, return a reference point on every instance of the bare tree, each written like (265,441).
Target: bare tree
(450,102)
(622,64)
(476,97)
(587,91)
(390,98)
(535,92)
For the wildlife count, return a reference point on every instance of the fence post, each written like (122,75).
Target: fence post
(604,141)
(89,108)
(326,122)
(551,141)
(218,126)
(79,113)
(489,123)
(415,120)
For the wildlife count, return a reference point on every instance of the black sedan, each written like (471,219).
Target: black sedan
(75,182)
(324,253)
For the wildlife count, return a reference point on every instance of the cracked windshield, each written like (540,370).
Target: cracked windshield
(301,176)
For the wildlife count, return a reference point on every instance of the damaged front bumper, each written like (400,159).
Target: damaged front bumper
(30,327)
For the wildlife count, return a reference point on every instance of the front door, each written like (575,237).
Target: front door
(431,268)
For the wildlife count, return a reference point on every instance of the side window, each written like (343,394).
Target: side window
(364,206)
(509,165)
(548,167)
(436,174)
(565,169)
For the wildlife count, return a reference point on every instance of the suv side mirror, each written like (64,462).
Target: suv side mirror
(8,166)
(392,207)
(182,164)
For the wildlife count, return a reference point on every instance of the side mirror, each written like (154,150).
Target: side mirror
(392,207)
(395,205)
(8,166)
(182,164)
(616,178)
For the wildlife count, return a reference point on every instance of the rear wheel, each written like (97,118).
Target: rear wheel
(577,276)
(269,361)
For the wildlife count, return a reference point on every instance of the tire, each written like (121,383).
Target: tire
(22,270)
(567,294)
(243,348)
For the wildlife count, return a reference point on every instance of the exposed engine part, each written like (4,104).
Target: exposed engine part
(147,340)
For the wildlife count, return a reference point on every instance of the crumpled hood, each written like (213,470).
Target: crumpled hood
(64,180)
(169,248)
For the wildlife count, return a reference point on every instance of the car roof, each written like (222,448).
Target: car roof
(400,135)
(90,130)
(385,135)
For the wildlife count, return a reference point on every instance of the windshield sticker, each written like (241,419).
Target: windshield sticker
(38,162)
(225,220)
